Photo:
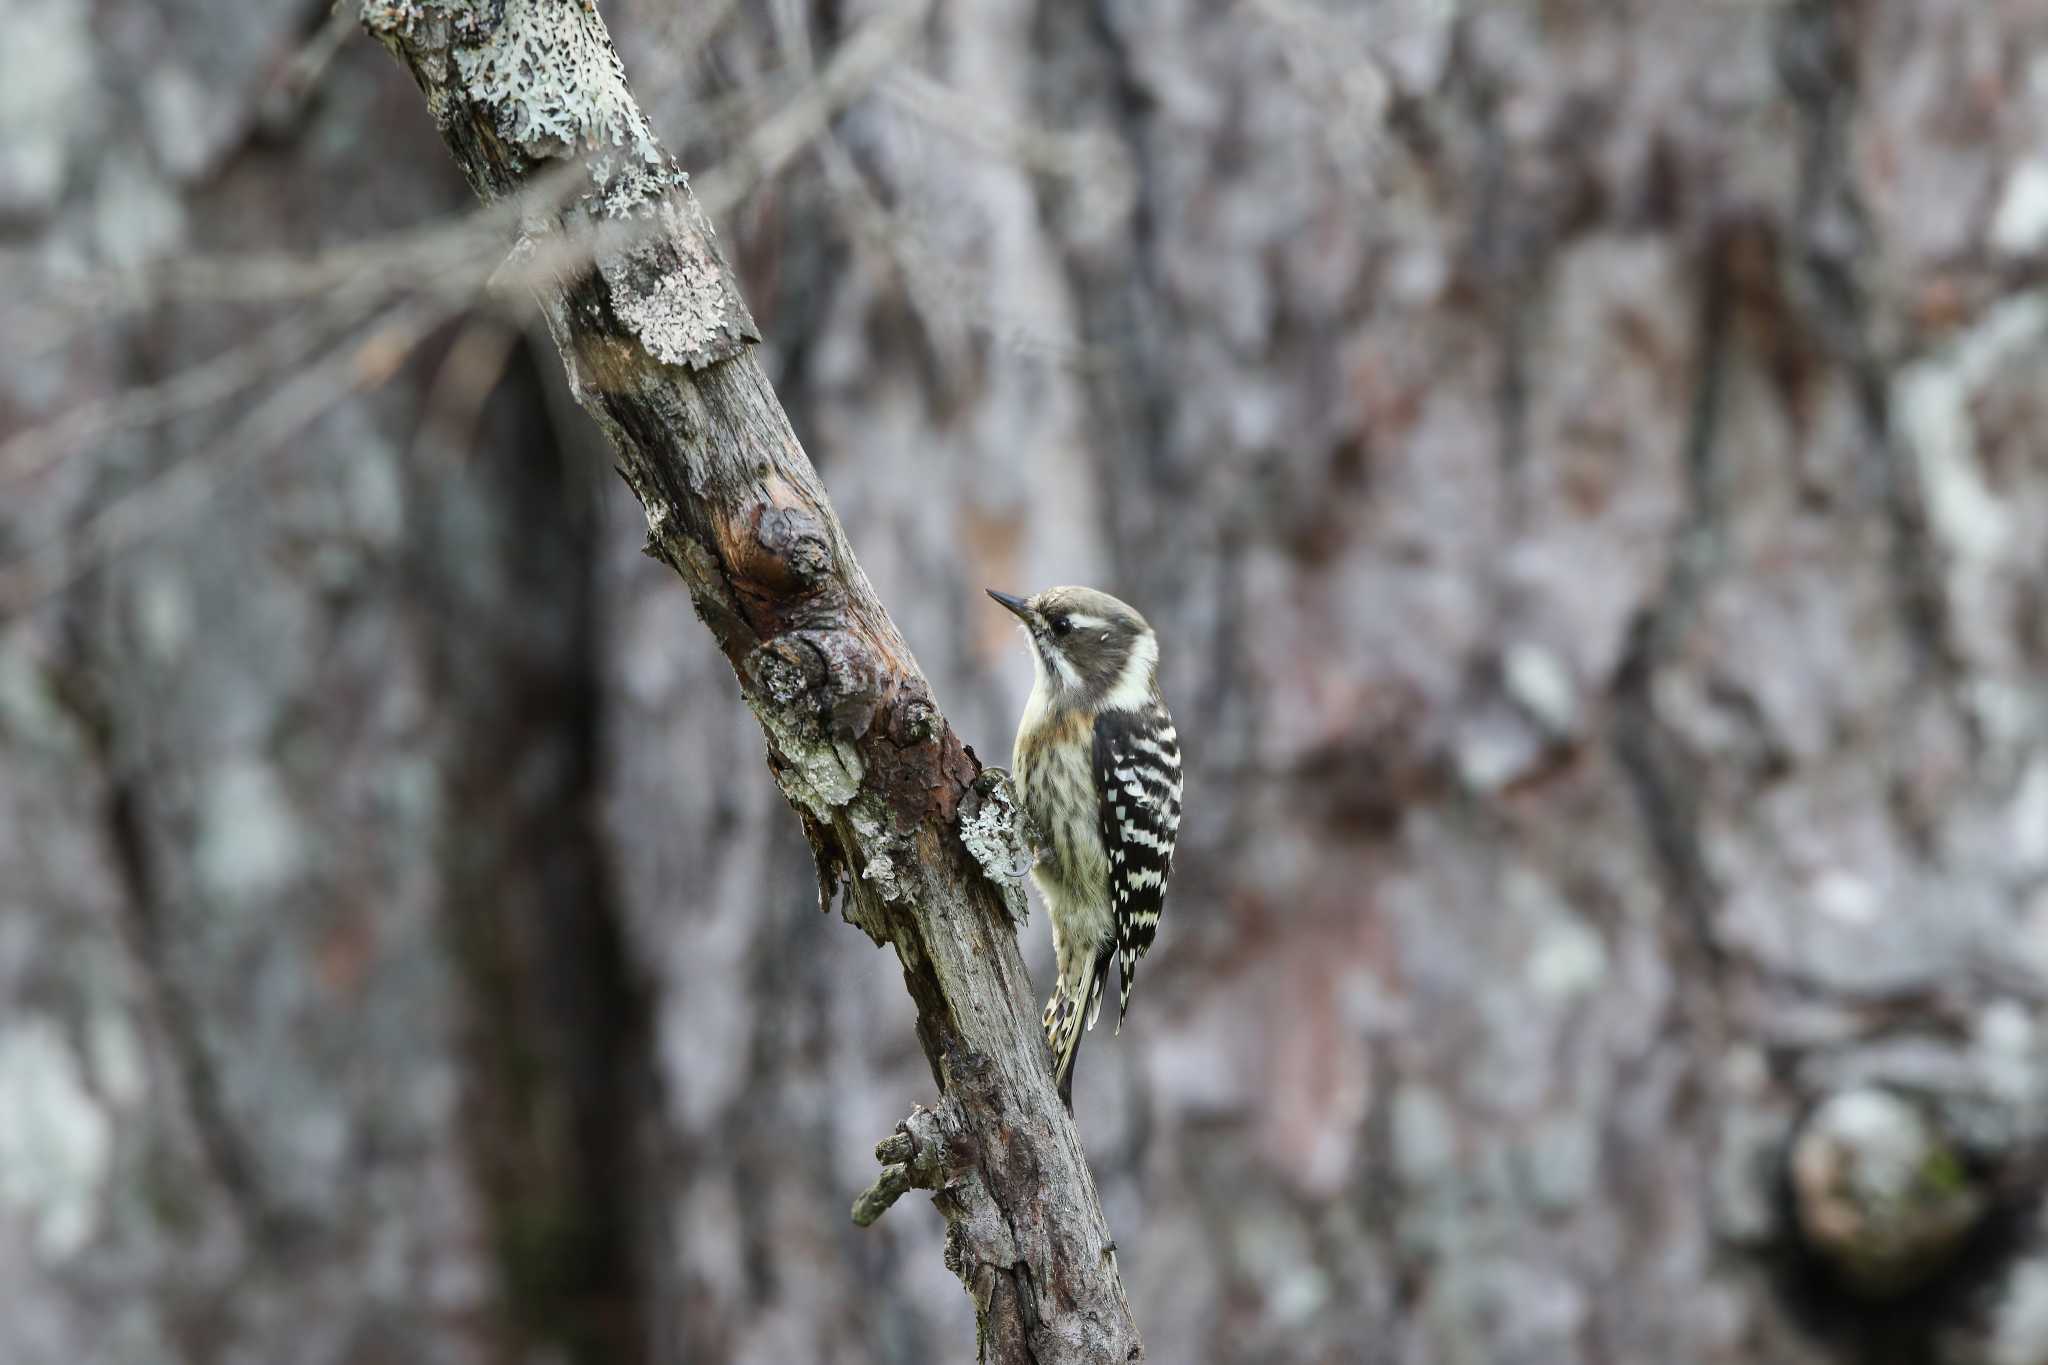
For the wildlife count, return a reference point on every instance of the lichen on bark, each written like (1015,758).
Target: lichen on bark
(656,344)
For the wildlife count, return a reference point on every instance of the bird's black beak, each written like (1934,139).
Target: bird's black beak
(1016,604)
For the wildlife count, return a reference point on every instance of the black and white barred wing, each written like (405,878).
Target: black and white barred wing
(1137,778)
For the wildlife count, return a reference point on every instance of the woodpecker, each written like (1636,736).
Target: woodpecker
(1097,766)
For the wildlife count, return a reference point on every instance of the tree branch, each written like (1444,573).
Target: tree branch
(656,340)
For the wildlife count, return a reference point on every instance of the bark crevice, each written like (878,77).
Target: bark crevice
(1665,781)
(1830,258)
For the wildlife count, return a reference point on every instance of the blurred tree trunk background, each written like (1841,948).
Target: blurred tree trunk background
(1584,459)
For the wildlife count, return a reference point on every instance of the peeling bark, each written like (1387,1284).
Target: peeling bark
(656,343)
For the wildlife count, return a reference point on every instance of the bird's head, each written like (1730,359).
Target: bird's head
(1089,648)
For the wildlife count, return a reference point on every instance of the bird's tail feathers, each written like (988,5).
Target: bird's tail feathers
(1068,1015)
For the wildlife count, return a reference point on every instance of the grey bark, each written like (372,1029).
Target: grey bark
(657,344)
(1585,462)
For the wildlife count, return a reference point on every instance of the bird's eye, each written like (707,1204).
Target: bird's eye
(1062,626)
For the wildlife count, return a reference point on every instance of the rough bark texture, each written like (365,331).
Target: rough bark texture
(657,344)
(1585,460)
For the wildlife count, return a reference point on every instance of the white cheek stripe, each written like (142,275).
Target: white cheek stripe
(1069,675)
(1043,683)
(1134,685)
(1041,693)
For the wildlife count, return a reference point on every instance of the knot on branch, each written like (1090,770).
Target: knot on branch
(1882,1194)
(914,719)
(930,1150)
(828,677)
(853,683)
(921,767)
(790,551)
(784,669)
(780,562)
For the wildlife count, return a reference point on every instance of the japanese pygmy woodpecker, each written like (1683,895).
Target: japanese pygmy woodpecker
(1097,766)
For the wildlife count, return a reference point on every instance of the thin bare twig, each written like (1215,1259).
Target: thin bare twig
(60,560)
(462,385)
(856,65)
(447,264)
(234,371)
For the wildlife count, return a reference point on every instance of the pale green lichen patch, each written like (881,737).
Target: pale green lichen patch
(56,1141)
(1880,1192)
(881,870)
(993,832)
(553,81)
(878,844)
(250,842)
(1931,406)
(547,81)
(816,773)
(33,711)
(674,293)
(47,89)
